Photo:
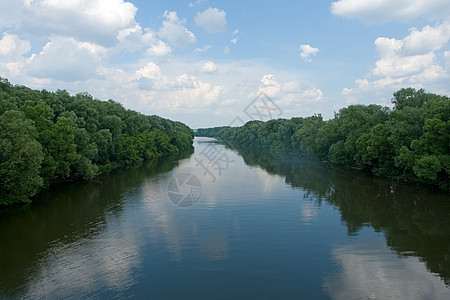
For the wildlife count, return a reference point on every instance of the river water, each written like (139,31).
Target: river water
(224,225)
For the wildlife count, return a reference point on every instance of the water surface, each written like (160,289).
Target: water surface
(240,226)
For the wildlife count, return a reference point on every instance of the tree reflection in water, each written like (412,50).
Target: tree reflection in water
(414,220)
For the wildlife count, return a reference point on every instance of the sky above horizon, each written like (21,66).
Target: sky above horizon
(205,62)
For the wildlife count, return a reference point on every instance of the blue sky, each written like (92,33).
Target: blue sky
(203,62)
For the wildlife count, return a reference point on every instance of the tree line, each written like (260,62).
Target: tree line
(410,141)
(53,137)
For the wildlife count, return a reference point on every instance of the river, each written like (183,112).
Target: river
(225,225)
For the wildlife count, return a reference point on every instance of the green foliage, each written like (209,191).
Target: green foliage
(213,132)
(54,137)
(20,158)
(411,141)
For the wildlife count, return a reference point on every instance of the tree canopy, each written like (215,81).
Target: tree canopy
(52,137)
(410,141)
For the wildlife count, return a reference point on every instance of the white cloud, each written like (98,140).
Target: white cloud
(411,55)
(426,40)
(306,51)
(193,98)
(95,21)
(293,98)
(134,38)
(416,60)
(109,25)
(192,4)
(270,86)
(203,49)
(398,66)
(159,49)
(209,67)
(174,32)
(63,59)
(234,41)
(151,71)
(175,93)
(382,11)
(212,20)
(11,47)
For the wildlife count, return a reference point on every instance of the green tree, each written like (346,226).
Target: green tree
(20,158)
(63,148)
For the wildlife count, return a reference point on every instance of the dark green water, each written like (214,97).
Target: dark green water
(221,226)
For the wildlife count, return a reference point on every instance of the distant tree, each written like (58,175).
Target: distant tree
(411,141)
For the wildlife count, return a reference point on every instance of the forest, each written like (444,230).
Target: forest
(411,141)
(54,137)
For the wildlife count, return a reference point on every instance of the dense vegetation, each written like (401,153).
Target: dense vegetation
(209,132)
(52,137)
(410,141)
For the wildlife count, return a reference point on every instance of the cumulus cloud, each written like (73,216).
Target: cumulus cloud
(159,49)
(416,60)
(150,70)
(411,55)
(135,38)
(79,36)
(176,93)
(382,11)
(63,59)
(306,51)
(99,28)
(426,40)
(213,20)
(292,97)
(95,21)
(174,32)
(290,91)
(11,47)
(194,95)
(270,86)
(209,67)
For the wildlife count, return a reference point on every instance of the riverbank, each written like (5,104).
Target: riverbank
(51,138)
(409,142)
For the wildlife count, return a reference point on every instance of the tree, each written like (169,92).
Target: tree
(66,138)
(63,148)
(20,158)
(409,97)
